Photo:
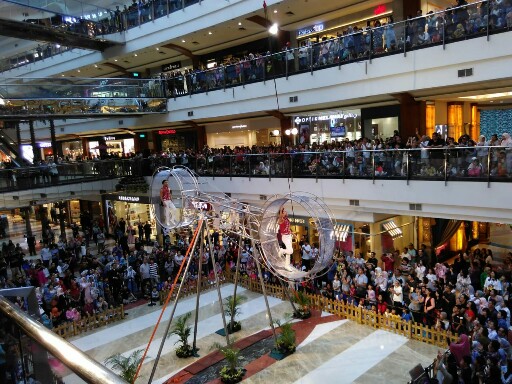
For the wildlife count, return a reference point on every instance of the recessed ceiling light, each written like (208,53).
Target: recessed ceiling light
(157,48)
(183,41)
(63,75)
(239,23)
(275,10)
(135,55)
(95,66)
(115,60)
(210,32)
(78,70)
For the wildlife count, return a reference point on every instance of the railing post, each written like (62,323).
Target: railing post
(371,46)
(489,168)
(310,50)
(343,165)
(230,167)
(291,167)
(373,167)
(444,36)
(445,167)
(318,162)
(269,165)
(488,19)
(407,167)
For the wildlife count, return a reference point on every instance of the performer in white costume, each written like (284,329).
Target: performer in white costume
(286,237)
(170,211)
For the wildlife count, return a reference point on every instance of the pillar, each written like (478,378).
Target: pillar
(201,137)
(18,139)
(35,149)
(26,216)
(412,115)
(62,215)
(55,150)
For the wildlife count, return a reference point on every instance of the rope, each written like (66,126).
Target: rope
(200,224)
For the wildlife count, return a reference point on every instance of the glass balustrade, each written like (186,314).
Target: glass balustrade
(80,97)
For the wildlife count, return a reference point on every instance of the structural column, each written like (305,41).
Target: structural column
(54,141)
(412,115)
(35,150)
(18,139)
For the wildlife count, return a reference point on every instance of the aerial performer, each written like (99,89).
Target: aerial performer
(170,217)
(285,235)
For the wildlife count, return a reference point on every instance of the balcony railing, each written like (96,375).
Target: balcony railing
(438,29)
(442,164)
(47,175)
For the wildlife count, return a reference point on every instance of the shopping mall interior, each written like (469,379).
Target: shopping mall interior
(341,99)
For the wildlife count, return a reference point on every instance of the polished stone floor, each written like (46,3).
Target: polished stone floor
(338,351)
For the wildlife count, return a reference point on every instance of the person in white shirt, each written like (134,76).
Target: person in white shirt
(306,255)
(46,255)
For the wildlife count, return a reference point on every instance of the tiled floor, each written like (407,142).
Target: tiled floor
(338,351)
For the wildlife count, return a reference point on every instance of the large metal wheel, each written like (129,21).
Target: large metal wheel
(322,222)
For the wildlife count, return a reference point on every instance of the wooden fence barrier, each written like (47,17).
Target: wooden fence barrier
(390,323)
(88,323)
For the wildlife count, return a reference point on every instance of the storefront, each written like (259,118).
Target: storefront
(176,140)
(380,122)
(72,149)
(134,209)
(246,132)
(112,145)
(319,128)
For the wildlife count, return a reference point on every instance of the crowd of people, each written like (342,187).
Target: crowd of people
(420,156)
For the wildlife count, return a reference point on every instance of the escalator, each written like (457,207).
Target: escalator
(10,148)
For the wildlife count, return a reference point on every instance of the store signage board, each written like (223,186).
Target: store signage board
(296,220)
(311,29)
(307,119)
(167,132)
(45,145)
(171,66)
(202,206)
(133,199)
(239,126)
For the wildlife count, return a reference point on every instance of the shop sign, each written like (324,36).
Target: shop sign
(109,138)
(45,145)
(308,119)
(133,199)
(239,126)
(202,206)
(380,9)
(171,66)
(167,132)
(311,29)
(296,220)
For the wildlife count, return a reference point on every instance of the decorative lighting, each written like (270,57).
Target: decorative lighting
(274,29)
(341,231)
(276,132)
(488,96)
(392,229)
(295,131)
(287,132)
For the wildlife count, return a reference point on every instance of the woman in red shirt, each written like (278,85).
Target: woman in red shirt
(286,237)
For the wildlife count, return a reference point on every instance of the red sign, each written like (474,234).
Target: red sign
(379,9)
(167,132)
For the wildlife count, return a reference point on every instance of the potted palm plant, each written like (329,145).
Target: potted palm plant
(125,367)
(232,310)
(232,372)
(182,330)
(285,343)
(302,300)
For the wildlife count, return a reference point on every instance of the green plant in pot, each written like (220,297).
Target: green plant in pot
(286,341)
(182,330)
(125,367)
(232,372)
(302,300)
(232,310)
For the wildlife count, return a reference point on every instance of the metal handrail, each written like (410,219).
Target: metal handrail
(85,367)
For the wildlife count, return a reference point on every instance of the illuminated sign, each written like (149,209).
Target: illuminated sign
(171,66)
(202,206)
(379,10)
(239,126)
(109,138)
(142,135)
(134,199)
(167,132)
(295,220)
(308,119)
(312,29)
(45,145)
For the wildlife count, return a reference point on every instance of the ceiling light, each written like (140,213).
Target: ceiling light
(488,96)
(392,229)
(287,132)
(157,48)
(115,60)
(95,66)
(273,29)
(210,32)
(78,70)
(294,131)
(183,41)
(276,132)
(275,10)
(341,232)
(239,23)
(135,55)
(62,75)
